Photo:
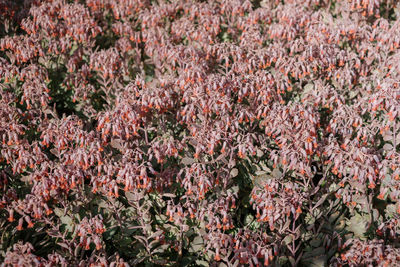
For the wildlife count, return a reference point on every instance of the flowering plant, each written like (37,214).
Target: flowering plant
(199,133)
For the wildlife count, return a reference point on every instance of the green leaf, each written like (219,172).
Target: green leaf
(161,249)
(188,161)
(186,261)
(234,172)
(314,253)
(276,173)
(390,210)
(234,189)
(249,219)
(196,245)
(320,201)
(260,180)
(202,263)
(358,225)
(316,242)
(308,87)
(287,239)
(388,136)
(317,261)
(387,147)
(169,195)
(66,220)
(110,232)
(353,93)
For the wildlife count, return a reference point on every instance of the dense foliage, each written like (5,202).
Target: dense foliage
(198,133)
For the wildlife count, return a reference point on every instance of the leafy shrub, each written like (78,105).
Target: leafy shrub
(199,133)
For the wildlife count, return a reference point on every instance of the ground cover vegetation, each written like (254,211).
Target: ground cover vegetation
(199,133)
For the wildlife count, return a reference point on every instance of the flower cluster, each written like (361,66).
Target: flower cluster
(373,252)
(199,132)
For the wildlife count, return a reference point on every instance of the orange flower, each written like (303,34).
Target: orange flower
(20,222)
